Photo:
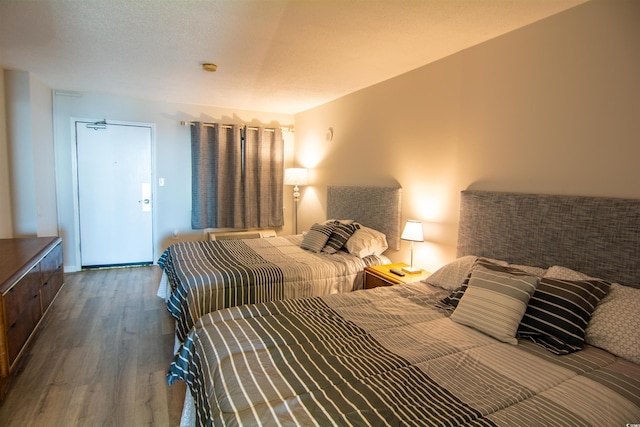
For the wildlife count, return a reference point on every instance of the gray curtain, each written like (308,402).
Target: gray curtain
(264,162)
(236,181)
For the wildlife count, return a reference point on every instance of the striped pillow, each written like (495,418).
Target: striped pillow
(450,302)
(500,266)
(339,237)
(495,302)
(317,236)
(559,312)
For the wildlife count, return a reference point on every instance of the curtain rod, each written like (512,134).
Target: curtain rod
(287,129)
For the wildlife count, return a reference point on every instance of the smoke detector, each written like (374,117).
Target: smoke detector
(209,67)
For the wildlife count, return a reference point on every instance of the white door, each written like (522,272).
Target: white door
(114,194)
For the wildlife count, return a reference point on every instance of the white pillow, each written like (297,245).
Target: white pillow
(564,273)
(450,276)
(341,221)
(366,241)
(615,324)
(533,271)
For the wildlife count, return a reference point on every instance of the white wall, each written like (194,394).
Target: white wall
(6,227)
(43,158)
(171,157)
(28,176)
(551,108)
(20,150)
(30,202)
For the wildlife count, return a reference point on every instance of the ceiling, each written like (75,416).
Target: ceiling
(280,56)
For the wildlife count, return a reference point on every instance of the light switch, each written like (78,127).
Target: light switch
(161,182)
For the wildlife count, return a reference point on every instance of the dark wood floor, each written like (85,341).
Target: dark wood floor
(100,358)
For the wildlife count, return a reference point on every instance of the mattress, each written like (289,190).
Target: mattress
(390,356)
(205,276)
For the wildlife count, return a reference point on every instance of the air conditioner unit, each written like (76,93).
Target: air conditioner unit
(248,234)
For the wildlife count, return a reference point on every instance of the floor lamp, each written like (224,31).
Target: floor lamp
(413,233)
(295,177)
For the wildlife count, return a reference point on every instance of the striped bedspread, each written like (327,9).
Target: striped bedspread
(389,357)
(209,275)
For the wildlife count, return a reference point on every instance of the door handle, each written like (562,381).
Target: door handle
(146,197)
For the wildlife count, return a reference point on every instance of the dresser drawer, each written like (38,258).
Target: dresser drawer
(51,263)
(20,329)
(16,299)
(50,288)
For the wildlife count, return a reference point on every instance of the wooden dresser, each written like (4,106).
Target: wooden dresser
(31,274)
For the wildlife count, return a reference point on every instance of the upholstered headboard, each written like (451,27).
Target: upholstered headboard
(595,235)
(375,207)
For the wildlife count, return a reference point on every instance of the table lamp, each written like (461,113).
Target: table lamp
(413,233)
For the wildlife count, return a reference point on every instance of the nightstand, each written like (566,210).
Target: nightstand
(380,275)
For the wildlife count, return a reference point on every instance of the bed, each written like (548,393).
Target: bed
(204,276)
(475,344)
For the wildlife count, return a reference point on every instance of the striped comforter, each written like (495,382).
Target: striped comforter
(389,356)
(209,275)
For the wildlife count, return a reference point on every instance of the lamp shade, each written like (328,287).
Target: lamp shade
(295,176)
(413,231)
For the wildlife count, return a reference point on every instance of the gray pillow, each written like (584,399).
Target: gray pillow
(495,302)
(317,237)
(450,302)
